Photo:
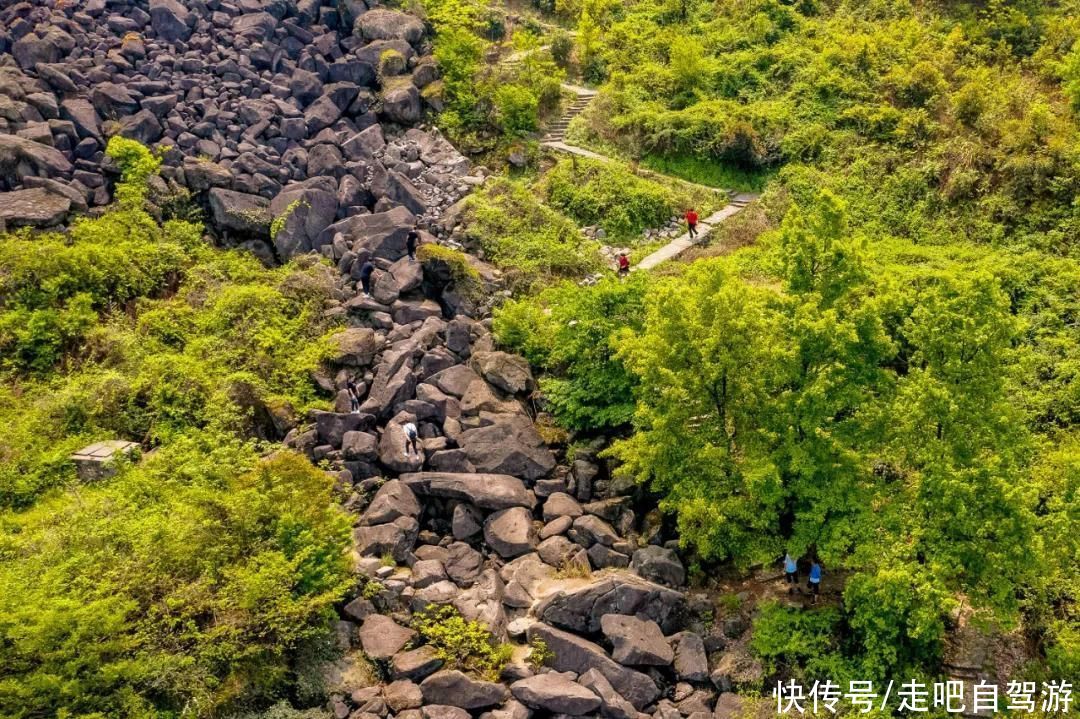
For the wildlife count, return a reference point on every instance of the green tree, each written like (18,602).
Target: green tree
(570,332)
(709,363)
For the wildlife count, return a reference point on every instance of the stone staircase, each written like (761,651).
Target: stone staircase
(557,130)
(684,242)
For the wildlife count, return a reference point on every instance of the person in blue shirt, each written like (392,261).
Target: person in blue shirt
(815,580)
(791,573)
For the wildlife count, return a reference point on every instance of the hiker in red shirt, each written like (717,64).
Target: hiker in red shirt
(691,222)
(624,264)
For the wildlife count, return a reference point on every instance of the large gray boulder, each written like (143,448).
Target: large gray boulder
(487,491)
(394,539)
(454,688)
(381,234)
(356,346)
(415,664)
(240,211)
(581,609)
(113,101)
(302,214)
(636,641)
(455,380)
(401,103)
(659,564)
(508,372)
(483,603)
(392,446)
(571,653)
(511,445)
(555,692)
(20,157)
(30,50)
(36,207)
(381,637)
(170,20)
(561,504)
(394,499)
(202,174)
(463,563)
(612,704)
(81,113)
(332,426)
(691,661)
(403,694)
(394,383)
(383,24)
(510,532)
(593,530)
(401,190)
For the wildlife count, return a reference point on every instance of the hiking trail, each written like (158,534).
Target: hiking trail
(555,139)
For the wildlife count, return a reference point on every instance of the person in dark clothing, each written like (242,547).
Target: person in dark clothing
(624,264)
(354,396)
(815,580)
(691,222)
(410,244)
(365,277)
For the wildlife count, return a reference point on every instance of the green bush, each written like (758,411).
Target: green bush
(606,194)
(804,643)
(461,643)
(126,329)
(184,584)
(517,109)
(531,243)
(570,332)
(562,45)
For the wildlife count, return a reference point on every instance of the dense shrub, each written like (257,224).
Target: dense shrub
(570,331)
(531,243)
(606,194)
(193,582)
(183,584)
(958,100)
(486,103)
(461,643)
(126,329)
(792,642)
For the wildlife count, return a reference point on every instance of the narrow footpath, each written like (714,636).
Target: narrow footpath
(555,139)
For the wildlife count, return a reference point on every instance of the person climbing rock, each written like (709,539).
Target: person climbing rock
(791,573)
(814,585)
(365,277)
(691,222)
(411,439)
(410,244)
(624,264)
(354,396)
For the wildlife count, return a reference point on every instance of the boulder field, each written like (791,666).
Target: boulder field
(486,518)
(301,114)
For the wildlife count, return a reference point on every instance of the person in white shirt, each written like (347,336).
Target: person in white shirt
(411,438)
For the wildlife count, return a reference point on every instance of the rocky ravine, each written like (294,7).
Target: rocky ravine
(487,520)
(294,109)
